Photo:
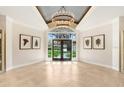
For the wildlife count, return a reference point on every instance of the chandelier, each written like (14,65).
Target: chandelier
(63,17)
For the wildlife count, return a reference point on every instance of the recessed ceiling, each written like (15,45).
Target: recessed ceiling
(48,11)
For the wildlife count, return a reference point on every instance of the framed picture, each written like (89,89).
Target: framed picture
(36,42)
(25,41)
(99,41)
(87,42)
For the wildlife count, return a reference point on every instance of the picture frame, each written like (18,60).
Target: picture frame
(99,42)
(87,42)
(36,42)
(25,42)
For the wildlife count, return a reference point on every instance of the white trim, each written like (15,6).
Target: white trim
(94,26)
(26,25)
(23,65)
(102,65)
(39,15)
(115,68)
(91,10)
(10,68)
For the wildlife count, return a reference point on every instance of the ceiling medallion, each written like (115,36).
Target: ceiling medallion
(63,17)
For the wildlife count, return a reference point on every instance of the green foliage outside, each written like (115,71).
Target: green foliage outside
(57,53)
(74,54)
(49,53)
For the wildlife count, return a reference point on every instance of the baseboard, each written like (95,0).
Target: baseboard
(115,68)
(10,68)
(23,65)
(106,66)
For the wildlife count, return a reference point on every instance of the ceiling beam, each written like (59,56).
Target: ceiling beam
(84,14)
(42,14)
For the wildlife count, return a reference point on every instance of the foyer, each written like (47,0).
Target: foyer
(61,46)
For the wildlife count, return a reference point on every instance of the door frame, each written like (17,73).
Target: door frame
(3,50)
(121,51)
(61,59)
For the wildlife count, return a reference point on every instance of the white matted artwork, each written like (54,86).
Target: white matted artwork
(99,41)
(36,42)
(25,41)
(87,42)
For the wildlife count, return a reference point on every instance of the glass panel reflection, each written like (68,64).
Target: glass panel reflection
(74,49)
(57,49)
(67,49)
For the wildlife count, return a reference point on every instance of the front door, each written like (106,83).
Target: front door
(62,50)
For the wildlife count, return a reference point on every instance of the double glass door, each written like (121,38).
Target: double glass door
(62,50)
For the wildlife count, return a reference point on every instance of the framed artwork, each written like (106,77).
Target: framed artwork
(99,41)
(25,41)
(87,42)
(36,42)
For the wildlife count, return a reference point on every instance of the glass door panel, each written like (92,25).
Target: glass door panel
(74,49)
(62,50)
(56,50)
(66,49)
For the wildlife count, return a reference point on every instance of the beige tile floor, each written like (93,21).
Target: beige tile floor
(62,75)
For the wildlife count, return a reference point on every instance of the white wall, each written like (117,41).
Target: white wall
(97,19)
(99,15)
(16,57)
(99,57)
(26,56)
(29,22)
(9,42)
(115,44)
(27,15)
(112,56)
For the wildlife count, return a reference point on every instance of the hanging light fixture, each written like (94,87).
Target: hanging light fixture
(63,17)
